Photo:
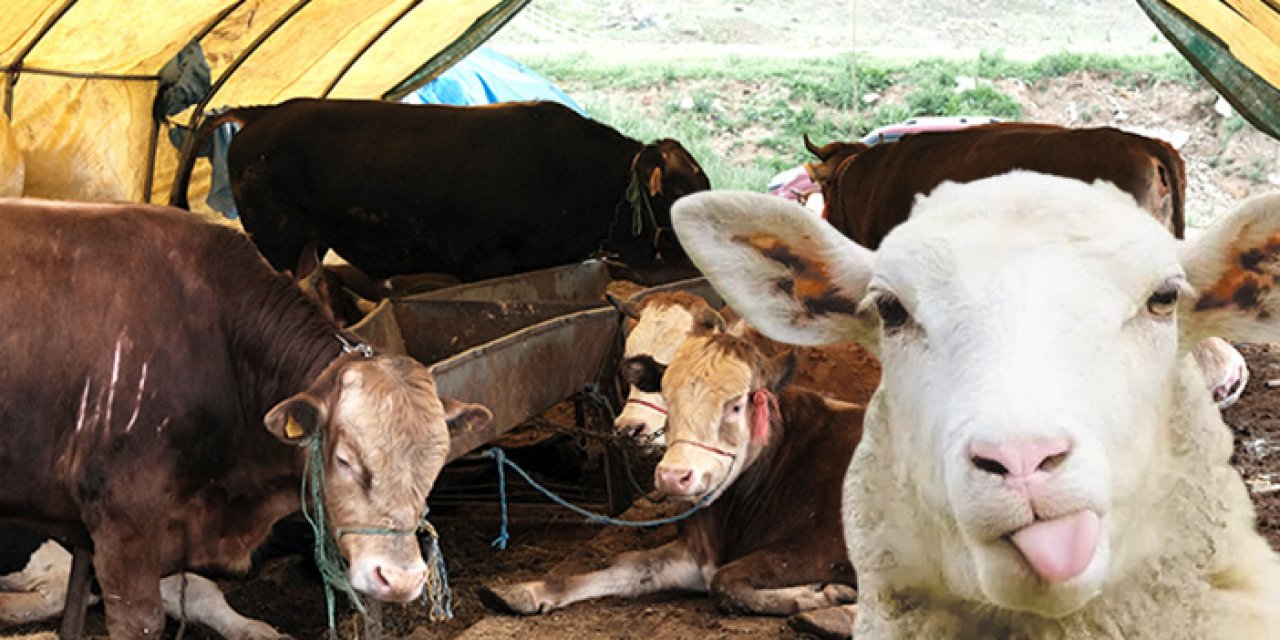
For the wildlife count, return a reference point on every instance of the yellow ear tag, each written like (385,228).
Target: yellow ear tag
(291,428)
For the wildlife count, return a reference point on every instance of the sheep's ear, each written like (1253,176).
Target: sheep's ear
(790,274)
(1234,266)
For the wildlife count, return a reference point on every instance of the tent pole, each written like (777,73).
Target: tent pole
(16,68)
(368,45)
(188,145)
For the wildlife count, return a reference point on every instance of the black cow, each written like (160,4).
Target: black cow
(474,192)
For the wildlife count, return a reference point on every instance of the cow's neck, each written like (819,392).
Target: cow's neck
(279,344)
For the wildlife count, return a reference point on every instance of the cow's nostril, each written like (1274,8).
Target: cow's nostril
(990,466)
(380,578)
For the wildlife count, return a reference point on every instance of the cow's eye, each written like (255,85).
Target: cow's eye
(1164,300)
(736,407)
(892,313)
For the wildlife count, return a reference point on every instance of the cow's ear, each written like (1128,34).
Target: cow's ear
(458,413)
(779,369)
(624,307)
(646,169)
(1234,267)
(655,182)
(708,321)
(790,274)
(296,418)
(643,372)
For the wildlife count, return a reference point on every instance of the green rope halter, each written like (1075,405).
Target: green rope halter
(333,567)
(640,205)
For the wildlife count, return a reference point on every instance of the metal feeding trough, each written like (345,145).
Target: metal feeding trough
(518,345)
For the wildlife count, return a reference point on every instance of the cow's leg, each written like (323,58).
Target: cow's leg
(129,572)
(38,591)
(1225,371)
(634,573)
(278,226)
(760,584)
(204,603)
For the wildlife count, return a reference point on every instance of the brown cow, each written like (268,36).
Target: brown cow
(660,322)
(869,190)
(159,379)
(770,460)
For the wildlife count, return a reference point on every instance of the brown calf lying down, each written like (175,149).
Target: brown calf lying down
(770,459)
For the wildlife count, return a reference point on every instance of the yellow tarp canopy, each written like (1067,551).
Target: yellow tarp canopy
(79,76)
(1234,44)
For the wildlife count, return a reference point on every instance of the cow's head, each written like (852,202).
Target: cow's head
(829,156)
(719,391)
(1037,395)
(656,326)
(385,439)
(666,172)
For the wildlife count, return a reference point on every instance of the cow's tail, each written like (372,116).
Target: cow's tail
(181,179)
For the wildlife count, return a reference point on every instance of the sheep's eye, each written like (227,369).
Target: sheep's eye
(892,313)
(1164,300)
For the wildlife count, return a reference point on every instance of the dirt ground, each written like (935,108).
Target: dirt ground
(284,591)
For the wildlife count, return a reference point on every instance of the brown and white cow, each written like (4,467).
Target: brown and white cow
(869,190)
(160,378)
(767,457)
(1040,460)
(659,323)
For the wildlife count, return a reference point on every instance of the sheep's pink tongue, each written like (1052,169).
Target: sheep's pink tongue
(1059,549)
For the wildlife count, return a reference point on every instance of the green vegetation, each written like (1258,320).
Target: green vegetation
(744,117)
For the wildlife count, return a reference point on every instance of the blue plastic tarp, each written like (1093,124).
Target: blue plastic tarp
(485,77)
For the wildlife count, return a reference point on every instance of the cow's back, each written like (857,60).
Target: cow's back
(115,350)
(875,191)
(399,188)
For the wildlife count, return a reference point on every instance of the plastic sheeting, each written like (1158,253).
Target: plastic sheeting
(79,77)
(1235,45)
(486,77)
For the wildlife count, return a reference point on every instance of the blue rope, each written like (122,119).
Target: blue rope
(501,458)
(501,541)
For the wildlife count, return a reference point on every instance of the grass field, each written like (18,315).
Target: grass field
(744,116)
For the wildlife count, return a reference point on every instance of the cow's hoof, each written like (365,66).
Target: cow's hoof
(839,593)
(258,630)
(509,598)
(828,623)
